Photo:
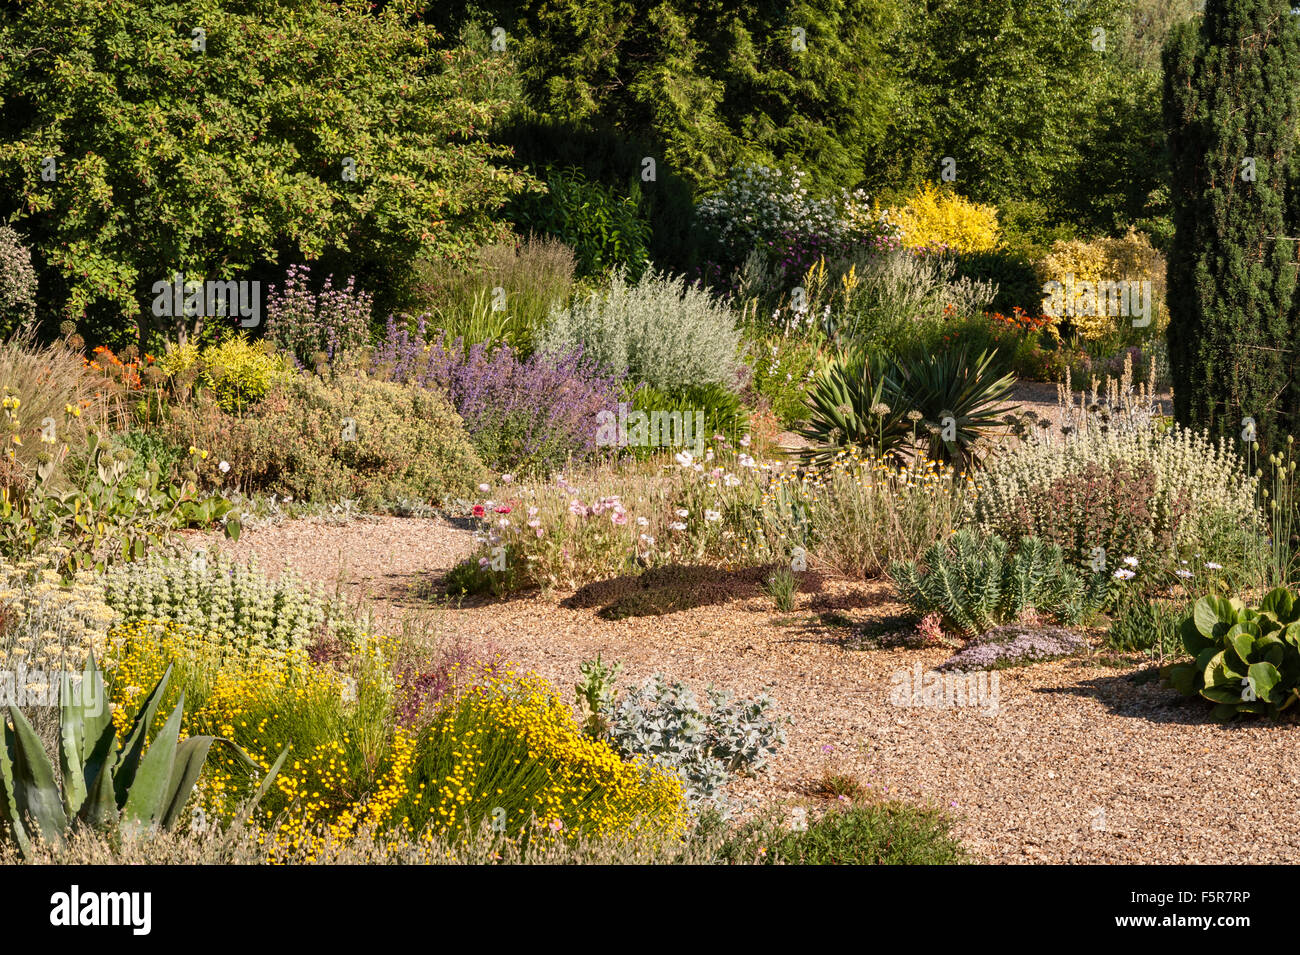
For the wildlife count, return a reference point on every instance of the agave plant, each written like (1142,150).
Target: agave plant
(1244,660)
(961,402)
(853,401)
(131,787)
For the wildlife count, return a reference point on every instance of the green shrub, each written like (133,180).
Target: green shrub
(1146,626)
(606,230)
(1015,276)
(1245,660)
(886,833)
(662,331)
(781,368)
(349,437)
(216,596)
(975,583)
(714,408)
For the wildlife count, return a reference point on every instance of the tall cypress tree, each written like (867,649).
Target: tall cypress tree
(1232,91)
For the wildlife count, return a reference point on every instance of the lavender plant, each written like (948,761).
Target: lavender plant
(530,415)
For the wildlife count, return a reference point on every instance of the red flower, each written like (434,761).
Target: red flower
(503,509)
(479,510)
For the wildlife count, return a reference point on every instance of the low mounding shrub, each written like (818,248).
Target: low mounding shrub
(1015,645)
(884,833)
(315,327)
(975,584)
(530,415)
(663,723)
(348,437)
(1073,262)
(216,596)
(1245,660)
(659,331)
(239,372)
(1130,491)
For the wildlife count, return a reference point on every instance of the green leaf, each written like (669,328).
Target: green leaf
(71,734)
(1265,677)
(191,754)
(129,756)
(148,795)
(35,789)
(9,791)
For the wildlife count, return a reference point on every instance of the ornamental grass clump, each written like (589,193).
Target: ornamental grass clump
(856,514)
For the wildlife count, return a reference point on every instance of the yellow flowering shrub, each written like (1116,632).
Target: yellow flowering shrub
(510,752)
(511,744)
(935,216)
(1131,258)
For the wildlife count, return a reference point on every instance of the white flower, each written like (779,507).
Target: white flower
(744,442)
(648,540)
(677,526)
(223,467)
(683,512)
(507,478)
(684,458)
(1213,566)
(642,522)
(746,461)
(713,515)
(484,488)
(731,480)
(1123,574)
(1131,561)
(1183,573)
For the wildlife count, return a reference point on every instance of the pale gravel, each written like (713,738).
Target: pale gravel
(1080,764)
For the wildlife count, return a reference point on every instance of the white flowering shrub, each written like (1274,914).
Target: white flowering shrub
(219,597)
(664,332)
(767,209)
(1136,490)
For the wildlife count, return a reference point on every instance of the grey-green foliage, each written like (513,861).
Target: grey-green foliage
(663,723)
(975,583)
(17,281)
(662,331)
(214,594)
(134,786)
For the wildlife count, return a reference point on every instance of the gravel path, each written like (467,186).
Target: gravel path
(1081,762)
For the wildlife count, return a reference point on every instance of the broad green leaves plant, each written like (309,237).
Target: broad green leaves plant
(130,786)
(1245,660)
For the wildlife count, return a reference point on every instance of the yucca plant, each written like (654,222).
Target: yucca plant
(975,583)
(131,787)
(961,401)
(853,401)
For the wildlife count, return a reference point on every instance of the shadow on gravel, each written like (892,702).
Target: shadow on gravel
(670,589)
(1140,696)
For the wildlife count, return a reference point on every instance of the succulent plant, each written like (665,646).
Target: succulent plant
(1244,660)
(132,786)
